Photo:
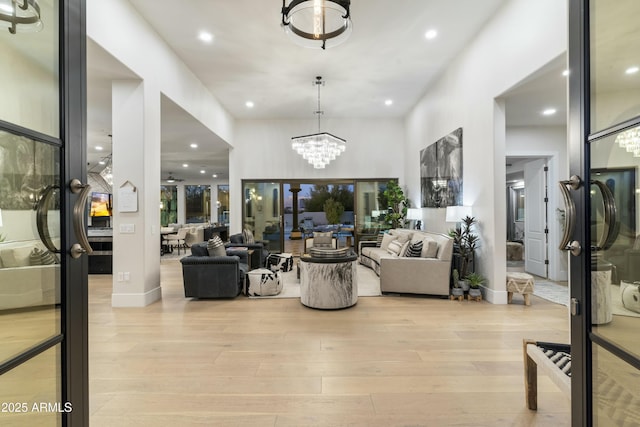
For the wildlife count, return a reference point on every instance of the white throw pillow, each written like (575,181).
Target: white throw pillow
(395,248)
(386,239)
(429,248)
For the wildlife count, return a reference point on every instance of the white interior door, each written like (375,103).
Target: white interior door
(535,218)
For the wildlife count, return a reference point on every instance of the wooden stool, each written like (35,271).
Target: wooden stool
(521,283)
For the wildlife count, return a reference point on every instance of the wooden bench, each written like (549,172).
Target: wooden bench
(553,359)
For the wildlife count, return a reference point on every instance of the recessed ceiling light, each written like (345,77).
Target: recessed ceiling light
(102,162)
(203,171)
(249,104)
(99,148)
(193,145)
(632,70)
(549,112)
(205,36)
(431,34)
(565,73)
(185,165)
(388,102)
(215,175)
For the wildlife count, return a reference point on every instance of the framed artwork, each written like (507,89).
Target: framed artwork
(441,172)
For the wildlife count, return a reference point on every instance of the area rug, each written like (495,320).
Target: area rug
(560,295)
(552,292)
(368,284)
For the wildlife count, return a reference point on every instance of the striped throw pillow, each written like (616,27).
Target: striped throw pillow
(40,257)
(247,235)
(395,247)
(414,250)
(215,247)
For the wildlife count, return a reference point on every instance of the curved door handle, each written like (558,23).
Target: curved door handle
(78,218)
(570,215)
(42,220)
(611,223)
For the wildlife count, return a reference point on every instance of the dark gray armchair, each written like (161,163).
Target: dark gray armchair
(262,246)
(207,276)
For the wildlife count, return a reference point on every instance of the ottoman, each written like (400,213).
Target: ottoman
(280,262)
(521,283)
(262,282)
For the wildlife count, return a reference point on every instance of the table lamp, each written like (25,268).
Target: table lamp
(415,214)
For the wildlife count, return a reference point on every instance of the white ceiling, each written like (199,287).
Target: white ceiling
(250,58)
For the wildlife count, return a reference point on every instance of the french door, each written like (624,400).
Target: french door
(43,281)
(604,128)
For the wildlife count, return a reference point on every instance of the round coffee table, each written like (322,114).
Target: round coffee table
(329,283)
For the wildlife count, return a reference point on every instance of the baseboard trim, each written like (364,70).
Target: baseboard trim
(493,296)
(137,299)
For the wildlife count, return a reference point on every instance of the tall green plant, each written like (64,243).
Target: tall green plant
(397,204)
(333,209)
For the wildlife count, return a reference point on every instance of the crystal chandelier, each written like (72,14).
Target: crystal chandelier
(25,13)
(319,148)
(317,23)
(630,140)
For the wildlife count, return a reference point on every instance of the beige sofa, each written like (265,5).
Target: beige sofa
(23,281)
(427,274)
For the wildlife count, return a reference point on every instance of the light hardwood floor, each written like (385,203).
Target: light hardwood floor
(388,361)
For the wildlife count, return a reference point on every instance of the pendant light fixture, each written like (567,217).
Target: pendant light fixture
(317,23)
(319,149)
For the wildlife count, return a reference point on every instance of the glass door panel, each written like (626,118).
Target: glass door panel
(30,273)
(615,66)
(262,212)
(31,394)
(29,74)
(615,247)
(370,210)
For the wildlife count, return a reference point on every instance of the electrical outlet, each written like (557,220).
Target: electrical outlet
(127,276)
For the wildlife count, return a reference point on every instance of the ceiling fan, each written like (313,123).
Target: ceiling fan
(171,179)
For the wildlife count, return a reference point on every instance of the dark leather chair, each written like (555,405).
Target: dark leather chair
(207,276)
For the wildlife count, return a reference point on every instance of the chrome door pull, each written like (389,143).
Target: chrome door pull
(79,208)
(42,221)
(575,182)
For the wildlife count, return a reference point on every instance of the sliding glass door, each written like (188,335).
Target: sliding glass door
(262,212)
(285,212)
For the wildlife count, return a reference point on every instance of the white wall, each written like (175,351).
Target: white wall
(503,54)
(131,37)
(263,151)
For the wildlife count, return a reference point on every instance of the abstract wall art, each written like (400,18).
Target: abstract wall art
(441,172)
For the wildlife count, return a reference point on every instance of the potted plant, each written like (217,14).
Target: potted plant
(456,290)
(465,243)
(475,280)
(397,203)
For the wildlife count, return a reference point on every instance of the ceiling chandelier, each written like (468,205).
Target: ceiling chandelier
(630,140)
(317,23)
(25,13)
(319,148)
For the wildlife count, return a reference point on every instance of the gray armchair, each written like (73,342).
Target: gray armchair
(207,276)
(262,246)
